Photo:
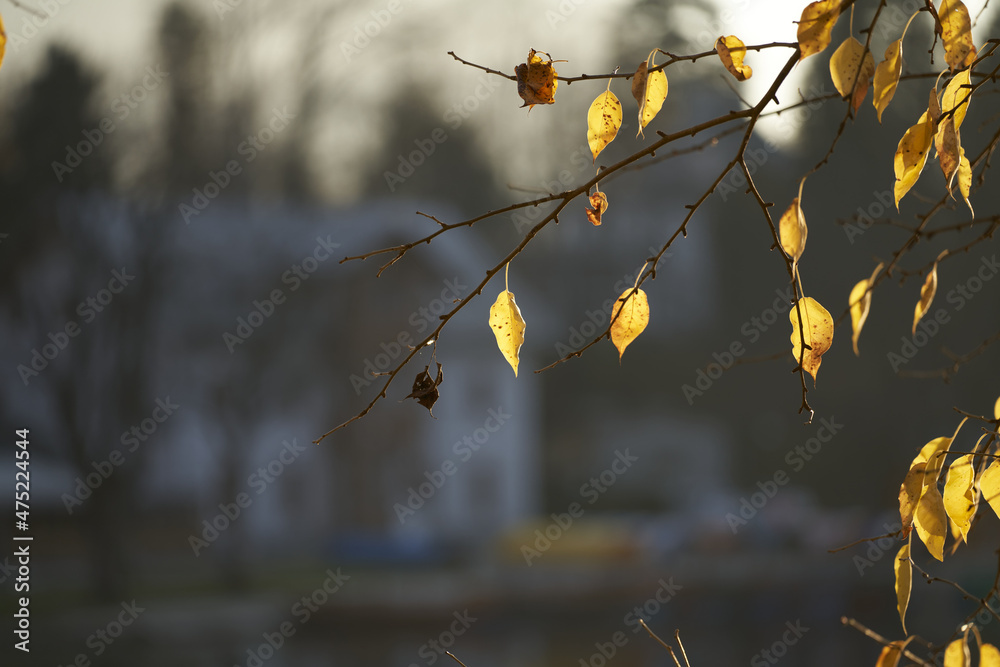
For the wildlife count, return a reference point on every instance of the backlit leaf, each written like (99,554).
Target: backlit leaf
(599,201)
(860,302)
(851,68)
(989,485)
(887,77)
(911,154)
(957,97)
(508,326)
(996,409)
(793,231)
(904,582)
(890,655)
(603,120)
(634,317)
(957,654)
(989,656)
(960,498)
(931,521)
(639,83)
(926,297)
(949,150)
(654,92)
(965,179)
(817,326)
(816,25)
(3,41)
(956,34)
(536,80)
(909,493)
(731,51)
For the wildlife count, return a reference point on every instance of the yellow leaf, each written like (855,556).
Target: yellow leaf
(860,302)
(887,77)
(793,230)
(957,97)
(851,68)
(957,654)
(603,120)
(508,326)
(996,409)
(989,485)
(816,25)
(909,493)
(960,498)
(932,455)
(731,51)
(926,296)
(947,144)
(931,521)
(989,656)
(904,582)
(956,34)
(600,203)
(890,655)
(911,154)
(817,326)
(652,95)
(536,80)
(965,179)
(632,321)
(3,40)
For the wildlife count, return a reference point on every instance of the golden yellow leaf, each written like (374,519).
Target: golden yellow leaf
(989,656)
(654,92)
(932,455)
(909,493)
(911,154)
(965,179)
(957,654)
(817,325)
(508,326)
(536,80)
(603,120)
(731,51)
(793,231)
(860,302)
(634,317)
(960,498)
(904,582)
(851,68)
(3,41)
(816,25)
(600,203)
(996,409)
(931,521)
(949,149)
(887,77)
(956,34)
(989,485)
(926,297)
(889,657)
(958,97)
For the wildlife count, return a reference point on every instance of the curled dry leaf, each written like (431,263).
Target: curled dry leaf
(599,201)
(956,34)
(949,149)
(425,390)
(904,582)
(911,155)
(926,297)
(632,320)
(960,498)
(851,68)
(793,231)
(603,120)
(816,25)
(731,51)
(860,303)
(639,83)
(508,327)
(817,326)
(887,77)
(536,80)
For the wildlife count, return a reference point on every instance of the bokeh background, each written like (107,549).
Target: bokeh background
(179,182)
